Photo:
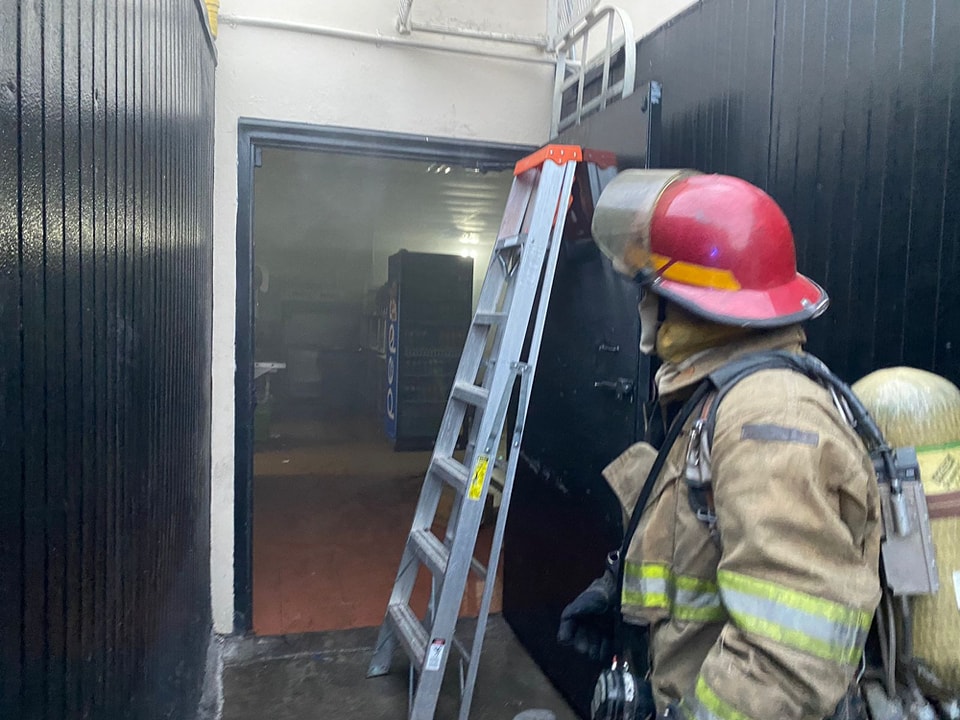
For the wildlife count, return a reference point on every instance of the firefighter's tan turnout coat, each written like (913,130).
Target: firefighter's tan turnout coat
(766,617)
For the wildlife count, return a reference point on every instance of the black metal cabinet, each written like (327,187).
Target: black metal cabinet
(585,409)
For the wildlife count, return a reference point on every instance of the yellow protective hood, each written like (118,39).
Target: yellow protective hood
(694,365)
(682,334)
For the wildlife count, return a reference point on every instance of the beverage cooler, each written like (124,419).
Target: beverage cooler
(429,309)
(590,396)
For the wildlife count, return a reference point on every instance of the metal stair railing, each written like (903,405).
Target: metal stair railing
(563,15)
(576,66)
(406,25)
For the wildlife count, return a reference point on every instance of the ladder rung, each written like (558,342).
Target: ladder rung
(412,634)
(431,551)
(479,568)
(510,241)
(470,393)
(489,318)
(462,649)
(454,473)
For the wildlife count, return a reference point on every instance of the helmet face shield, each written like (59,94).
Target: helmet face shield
(715,245)
(622,218)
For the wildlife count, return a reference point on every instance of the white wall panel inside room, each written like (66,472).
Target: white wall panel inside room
(299,75)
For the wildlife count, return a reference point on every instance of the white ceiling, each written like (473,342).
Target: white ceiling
(347,202)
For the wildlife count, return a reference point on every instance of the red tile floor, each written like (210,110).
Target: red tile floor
(332,507)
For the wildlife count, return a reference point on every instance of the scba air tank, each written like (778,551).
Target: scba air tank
(918,408)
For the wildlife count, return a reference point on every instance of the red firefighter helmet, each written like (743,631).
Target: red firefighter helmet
(716,245)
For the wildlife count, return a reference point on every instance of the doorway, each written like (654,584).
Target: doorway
(326,484)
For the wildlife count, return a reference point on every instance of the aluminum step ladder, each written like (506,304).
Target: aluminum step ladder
(512,308)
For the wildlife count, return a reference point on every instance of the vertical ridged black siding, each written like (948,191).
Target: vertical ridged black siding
(848,113)
(106,174)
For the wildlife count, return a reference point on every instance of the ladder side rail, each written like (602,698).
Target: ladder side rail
(473,665)
(549,274)
(545,174)
(527,281)
(513,222)
(516,222)
(544,281)
(494,281)
(521,195)
(569,173)
(494,341)
(526,383)
(517,202)
(521,192)
(528,278)
(493,443)
(518,225)
(472,356)
(470,362)
(427,504)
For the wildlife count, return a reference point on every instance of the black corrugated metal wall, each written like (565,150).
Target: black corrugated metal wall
(848,113)
(106,175)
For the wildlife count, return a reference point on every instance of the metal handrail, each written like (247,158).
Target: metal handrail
(565,15)
(406,25)
(404,9)
(575,64)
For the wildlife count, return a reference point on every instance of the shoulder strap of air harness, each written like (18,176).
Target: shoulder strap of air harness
(698,472)
(907,547)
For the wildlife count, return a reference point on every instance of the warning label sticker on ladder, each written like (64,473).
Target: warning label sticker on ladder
(434,654)
(479,475)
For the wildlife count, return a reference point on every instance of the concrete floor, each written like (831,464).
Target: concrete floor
(322,676)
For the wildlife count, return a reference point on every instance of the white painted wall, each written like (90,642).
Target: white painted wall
(284,74)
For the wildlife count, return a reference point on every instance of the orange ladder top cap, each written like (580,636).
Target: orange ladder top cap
(560,154)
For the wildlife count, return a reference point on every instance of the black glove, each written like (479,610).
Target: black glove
(587,622)
(851,706)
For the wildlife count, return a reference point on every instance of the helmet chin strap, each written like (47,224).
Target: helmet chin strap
(651,309)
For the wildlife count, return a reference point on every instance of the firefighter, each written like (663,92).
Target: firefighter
(757,595)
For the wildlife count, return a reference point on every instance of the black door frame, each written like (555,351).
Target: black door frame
(252,135)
